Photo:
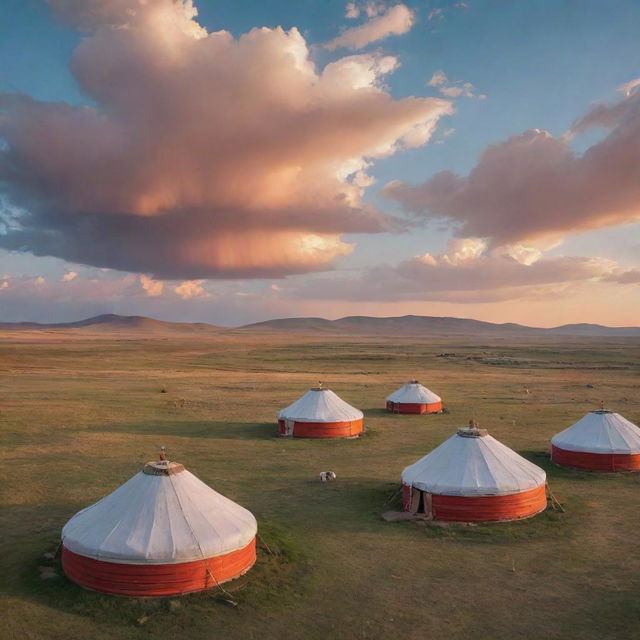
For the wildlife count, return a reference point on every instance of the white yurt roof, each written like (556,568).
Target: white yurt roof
(320,405)
(414,393)
(472,463)
(600,431)
(160,519)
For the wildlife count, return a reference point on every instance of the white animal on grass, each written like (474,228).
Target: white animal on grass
(327,475)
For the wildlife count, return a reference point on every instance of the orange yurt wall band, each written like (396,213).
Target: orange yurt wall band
(413,407)
(322,429)
(164,532)
(414,398)
(512,506)
(320,413)
(151,580)
(596,461)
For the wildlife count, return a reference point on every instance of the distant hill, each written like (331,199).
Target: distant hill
(351,325)
(113,322)
(431,325)
(585,329)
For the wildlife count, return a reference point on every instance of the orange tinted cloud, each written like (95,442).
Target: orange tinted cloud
(534,185)
(93,287)
(151,286)
(206,156)
(469,272)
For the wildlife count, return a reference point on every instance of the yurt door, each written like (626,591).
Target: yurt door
(288,427)
(416,494)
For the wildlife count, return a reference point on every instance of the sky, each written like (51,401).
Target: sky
(236,162)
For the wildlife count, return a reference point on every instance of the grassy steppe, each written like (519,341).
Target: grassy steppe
(80,413)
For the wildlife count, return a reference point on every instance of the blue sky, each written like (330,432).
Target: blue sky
(540,65)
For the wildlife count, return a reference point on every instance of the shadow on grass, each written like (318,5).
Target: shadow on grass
(547,525)
(377,412)
(199,429)
(221,431)
(282,572)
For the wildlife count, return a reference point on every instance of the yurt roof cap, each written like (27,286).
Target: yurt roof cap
(162,467)
(601,411)
(319,387)
(472,430)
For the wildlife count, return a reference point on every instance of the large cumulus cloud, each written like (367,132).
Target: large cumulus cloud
(201,155)
(534,185)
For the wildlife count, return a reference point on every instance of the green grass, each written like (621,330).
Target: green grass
(79,415)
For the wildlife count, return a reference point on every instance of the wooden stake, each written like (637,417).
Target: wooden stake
(555,503)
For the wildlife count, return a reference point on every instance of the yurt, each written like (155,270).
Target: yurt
(162,533)
(601,441)
(471,477)
(414,398)
(320,413)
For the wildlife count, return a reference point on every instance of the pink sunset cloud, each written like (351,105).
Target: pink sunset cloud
(534,185)
(96,286)
(205,156)
(394,21)
(469,272)
(455,89)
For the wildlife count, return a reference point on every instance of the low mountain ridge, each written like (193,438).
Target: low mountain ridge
(432,325)
(586,329)
(409,325)
(114,322)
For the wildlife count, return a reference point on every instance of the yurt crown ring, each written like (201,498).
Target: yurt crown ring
(472,431)
(162,468)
